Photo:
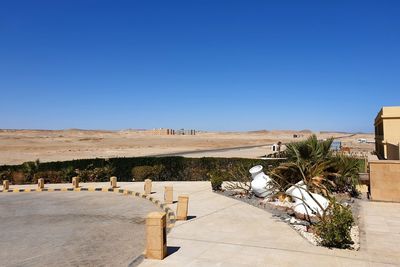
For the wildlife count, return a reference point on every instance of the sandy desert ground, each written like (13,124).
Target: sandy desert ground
(18,146)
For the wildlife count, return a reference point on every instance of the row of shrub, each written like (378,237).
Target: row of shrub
(128,169)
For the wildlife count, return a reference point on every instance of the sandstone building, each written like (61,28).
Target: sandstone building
(387,133)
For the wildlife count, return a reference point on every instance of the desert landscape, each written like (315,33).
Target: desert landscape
(18,146)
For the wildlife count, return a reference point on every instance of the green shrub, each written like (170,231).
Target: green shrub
(156,168)
(48,176)
(96,174)
(216,182)
(67,173)
(5,175)
(334,228)
(141,173)
(29,169)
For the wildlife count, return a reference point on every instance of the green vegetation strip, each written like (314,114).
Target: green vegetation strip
(127,169)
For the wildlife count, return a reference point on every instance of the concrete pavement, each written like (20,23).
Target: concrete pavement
(226,232)
(71,228)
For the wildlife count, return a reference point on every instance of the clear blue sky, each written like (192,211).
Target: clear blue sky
(211,65)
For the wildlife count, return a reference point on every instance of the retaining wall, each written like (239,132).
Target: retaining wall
(385,180)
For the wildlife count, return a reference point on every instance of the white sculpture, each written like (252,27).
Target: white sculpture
(260,184)
(304,203)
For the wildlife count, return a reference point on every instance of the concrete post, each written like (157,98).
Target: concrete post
(40,183)
(156,235)
(168,194)
(147,187)
(113,182)
(6,184)
(75,182)
(398,149)
(182,207)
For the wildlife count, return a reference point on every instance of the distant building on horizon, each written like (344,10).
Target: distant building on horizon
(387,133)
(336,145)
(165,131)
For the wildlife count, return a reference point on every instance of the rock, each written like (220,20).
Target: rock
(300,216)
(304,223)
(299,222)
(290,211)
(281,208)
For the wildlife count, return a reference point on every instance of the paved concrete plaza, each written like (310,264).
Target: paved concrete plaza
(227,232)
(71,228)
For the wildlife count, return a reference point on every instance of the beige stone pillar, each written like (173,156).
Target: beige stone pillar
(40,183)
(147,187)
(182,207)
(398,150)
(6,184)
(113,182)
(156,235)
(75,182)
(168,194)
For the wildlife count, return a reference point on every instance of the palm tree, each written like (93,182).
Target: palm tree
(310,149)
(346,172)
(321,170)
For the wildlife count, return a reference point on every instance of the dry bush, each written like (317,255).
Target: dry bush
(239,179)
(48,176)
(18,177)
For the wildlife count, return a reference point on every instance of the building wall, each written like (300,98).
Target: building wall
(385,180)
(387,133)
(392,138)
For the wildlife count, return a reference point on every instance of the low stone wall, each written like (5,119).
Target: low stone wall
(385,180)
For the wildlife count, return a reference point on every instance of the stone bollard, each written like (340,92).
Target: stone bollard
(168,194)
(147,187)
(182,207)
(156,235)
(113,182)
(40,183)
(6,184)
(75,182)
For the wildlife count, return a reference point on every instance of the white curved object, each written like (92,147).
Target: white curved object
(304,202)
(260,183)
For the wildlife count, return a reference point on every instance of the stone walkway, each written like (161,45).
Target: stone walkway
(226,232)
